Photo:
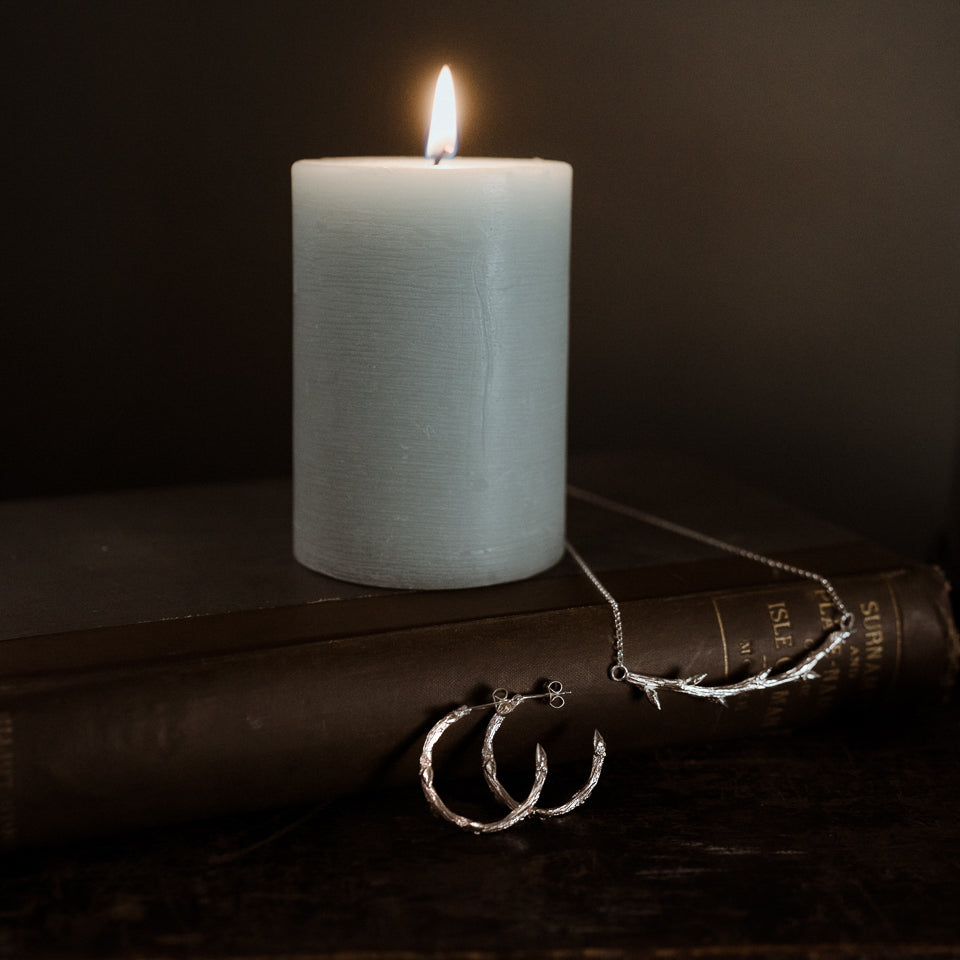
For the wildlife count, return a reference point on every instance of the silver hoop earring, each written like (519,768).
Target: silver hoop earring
(433,798)
(554,694)
(504,704)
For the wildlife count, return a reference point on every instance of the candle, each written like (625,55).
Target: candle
(430,365)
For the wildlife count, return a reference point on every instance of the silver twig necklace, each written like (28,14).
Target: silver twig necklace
(503,703)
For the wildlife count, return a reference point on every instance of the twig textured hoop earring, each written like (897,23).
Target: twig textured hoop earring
(555,694)
(503,704)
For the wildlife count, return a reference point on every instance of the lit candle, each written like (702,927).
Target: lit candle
(430,364)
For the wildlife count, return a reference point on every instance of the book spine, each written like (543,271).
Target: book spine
(118,749)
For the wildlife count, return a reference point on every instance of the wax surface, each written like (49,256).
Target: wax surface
(430,368)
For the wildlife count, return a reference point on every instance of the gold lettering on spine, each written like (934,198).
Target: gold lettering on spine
(778,700)
(873,643)
(8,823)
(782,629)
(828,685)
(829,682)
(723,637)
(826,610)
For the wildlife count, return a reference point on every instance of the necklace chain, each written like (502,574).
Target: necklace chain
(692,686)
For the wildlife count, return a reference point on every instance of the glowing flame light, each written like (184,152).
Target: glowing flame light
(442,138)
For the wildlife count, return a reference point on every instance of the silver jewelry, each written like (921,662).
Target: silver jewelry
(504,704)
(554,691)
(652,685)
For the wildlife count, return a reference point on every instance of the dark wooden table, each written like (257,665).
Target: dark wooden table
(838,841)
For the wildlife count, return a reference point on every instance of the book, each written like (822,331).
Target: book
(164,658)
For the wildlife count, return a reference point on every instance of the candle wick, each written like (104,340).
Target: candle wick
(443,153)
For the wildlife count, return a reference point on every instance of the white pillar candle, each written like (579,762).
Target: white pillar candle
(430,367)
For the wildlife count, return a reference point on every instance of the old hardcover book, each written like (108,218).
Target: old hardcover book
(163,657)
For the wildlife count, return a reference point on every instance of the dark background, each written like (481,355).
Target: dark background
(766,227)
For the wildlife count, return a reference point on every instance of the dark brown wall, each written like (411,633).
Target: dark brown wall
(766,226)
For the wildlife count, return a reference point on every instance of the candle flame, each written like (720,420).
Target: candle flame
(442,138)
